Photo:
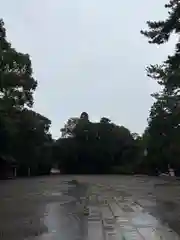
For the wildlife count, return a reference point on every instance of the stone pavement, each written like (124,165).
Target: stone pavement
(119,218)
(90,208)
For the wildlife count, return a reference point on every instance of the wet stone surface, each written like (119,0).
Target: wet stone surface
(90,208)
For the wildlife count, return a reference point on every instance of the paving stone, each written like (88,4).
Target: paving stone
(128,199)
(136,207)
(132,235)
(125,207)
(93,198)
(147,233)
(164,233)
(95,231)
(94,210)
(108,223)
(147,203)
(94,218)
(119,199)
(117,212)
(124,220)
(94,213)
(127,227)
(145,219)
(126,215)
(106,212)
(111,235)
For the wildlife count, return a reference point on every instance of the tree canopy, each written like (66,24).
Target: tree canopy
(164,120)
(24,134)
(85,146)
(96,147)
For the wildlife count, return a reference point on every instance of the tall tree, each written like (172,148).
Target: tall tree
(16,86)
(24,134)
(31,141)
(164,120)
(16,81)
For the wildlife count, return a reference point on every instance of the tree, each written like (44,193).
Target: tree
(164,120)
(67,131)
(16,86)
(16,81)
(166,74)
(95,147)
(24,134)
(31,141)
(105,120)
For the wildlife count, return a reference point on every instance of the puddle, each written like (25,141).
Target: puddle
(62,222)
(56,213)
(63,218)
(145,219)
(52,193)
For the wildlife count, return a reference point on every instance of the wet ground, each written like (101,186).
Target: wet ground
(90,208)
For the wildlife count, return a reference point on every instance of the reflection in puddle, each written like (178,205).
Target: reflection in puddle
(64,217)
(144,219)
(62,223)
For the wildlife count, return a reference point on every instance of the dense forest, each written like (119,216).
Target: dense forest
(85,146)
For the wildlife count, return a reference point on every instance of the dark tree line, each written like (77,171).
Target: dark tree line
(101,147)
(24,134)
(85,146)
(163,131)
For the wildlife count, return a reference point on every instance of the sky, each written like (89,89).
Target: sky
(88,55)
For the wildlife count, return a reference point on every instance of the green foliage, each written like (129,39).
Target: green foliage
(85,146)
(160,31)
(16,81)
(24,134)
(96,148)
(164,120)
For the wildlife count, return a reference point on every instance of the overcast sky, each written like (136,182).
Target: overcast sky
(88,55)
